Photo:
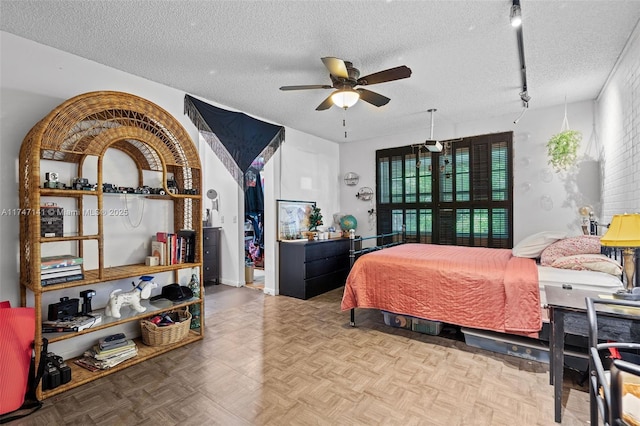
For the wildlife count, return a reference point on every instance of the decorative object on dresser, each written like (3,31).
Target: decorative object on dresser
(310,268)
(624,233)
(293,218)
(78,133)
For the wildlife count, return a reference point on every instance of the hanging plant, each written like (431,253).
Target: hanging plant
(562,149)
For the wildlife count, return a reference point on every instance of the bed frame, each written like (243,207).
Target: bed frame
(356,250)
(383,241)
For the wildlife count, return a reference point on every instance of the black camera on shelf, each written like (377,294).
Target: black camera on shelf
(109,188)
(79,183)
(56,372)
(65,310)
(157,191)
(192,191)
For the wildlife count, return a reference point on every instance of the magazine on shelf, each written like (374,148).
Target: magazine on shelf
(76,324)
(52,262)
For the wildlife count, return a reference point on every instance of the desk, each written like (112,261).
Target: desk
(568,314)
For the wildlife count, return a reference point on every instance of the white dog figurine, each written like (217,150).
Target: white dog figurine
(131,298)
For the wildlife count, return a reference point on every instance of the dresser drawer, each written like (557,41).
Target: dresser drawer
(323,266)
(322,249)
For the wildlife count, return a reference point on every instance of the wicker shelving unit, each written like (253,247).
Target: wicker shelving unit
(84,126)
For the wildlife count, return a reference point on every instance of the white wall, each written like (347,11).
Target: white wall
(304,168)
(618,113)
(543,199)
(35,78)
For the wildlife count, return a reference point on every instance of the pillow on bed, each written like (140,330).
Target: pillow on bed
(591,262)
(533,245)
(582,244)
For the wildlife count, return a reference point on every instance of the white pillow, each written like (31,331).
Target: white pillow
(533,245)
(589,262)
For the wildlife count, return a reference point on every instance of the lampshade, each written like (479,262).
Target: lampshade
(624,231)
(345,98)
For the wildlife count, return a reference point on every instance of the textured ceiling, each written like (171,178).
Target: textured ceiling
(463,54)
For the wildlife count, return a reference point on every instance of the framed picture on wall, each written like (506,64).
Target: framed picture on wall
(293,219)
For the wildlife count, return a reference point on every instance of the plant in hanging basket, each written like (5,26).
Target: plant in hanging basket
(562,149)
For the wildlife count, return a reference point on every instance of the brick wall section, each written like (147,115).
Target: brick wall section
(618,124)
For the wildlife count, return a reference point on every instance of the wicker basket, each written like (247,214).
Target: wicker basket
(152,335)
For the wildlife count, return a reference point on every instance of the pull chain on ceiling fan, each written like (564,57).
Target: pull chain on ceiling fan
(345,77)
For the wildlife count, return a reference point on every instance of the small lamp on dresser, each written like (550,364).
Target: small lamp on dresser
(624,233)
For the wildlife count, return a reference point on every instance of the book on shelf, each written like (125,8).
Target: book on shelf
(75,324)
(112,341)
(90,363)
(159,250)
(106,354)
(63,271)
(188,237)
(174,248)
(51,262)
(60,280)
(115,345)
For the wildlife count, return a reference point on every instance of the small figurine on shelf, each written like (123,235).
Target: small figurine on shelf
(315,218)
(131,298)
(194,286)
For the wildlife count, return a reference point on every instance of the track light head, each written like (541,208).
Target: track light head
(515,14)
(433,146)
(525,96)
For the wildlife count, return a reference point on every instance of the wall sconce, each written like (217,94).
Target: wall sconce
(351,178)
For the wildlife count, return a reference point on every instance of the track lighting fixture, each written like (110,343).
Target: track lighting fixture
(430,144)
(515,14)
(516,22)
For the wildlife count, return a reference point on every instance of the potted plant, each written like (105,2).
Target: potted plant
(562,149)
(315,219)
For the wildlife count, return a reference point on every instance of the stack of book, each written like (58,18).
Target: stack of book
(105,355)
(172,249)
(60,269)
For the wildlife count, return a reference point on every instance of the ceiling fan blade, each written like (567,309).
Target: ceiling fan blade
(336,67)
(372,97)
(391,74)
(309,86)
(326,104)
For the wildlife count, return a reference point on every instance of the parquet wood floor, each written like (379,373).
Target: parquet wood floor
(281,361)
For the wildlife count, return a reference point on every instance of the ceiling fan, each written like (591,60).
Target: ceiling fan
(345,78)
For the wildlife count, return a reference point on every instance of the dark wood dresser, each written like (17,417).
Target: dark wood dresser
(310,268)
(211,255)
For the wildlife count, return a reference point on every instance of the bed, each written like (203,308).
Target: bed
(499,290)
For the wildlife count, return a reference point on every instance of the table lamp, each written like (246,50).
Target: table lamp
(624,232)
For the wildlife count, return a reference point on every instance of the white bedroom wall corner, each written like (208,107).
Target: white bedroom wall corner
(619,127)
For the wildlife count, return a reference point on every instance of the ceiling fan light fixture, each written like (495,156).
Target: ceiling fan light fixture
(345,98)
(515,14)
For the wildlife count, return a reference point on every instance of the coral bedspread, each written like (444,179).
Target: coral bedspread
(473,287)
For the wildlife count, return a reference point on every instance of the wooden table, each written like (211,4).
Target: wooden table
(568,314)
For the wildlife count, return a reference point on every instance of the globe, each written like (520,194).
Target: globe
(348,222)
